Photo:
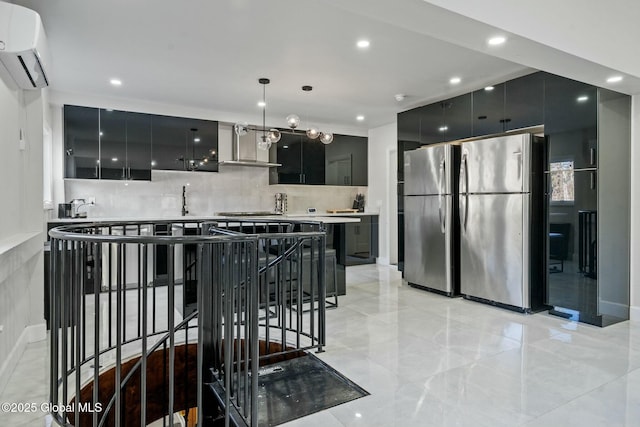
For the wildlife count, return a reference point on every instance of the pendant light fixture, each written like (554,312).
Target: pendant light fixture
(270,136)
(267,137)
(312,131)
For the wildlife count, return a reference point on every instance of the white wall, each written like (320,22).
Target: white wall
(21,237)
(635,208)
(382,181)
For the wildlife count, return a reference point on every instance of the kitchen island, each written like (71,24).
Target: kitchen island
(332,224)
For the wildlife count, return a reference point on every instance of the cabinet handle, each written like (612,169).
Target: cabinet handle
(592,156)
(593,180)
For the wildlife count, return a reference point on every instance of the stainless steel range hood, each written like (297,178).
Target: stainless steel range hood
(245,152)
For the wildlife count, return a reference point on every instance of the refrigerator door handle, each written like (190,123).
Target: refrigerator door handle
(464,194)
(440,196)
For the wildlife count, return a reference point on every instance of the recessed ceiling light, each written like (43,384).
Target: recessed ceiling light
(114,159)
(489,88)
(363,44)
(614,79)
(196,139)
(262,104)
(153,163)
(495,41)
(115,82)
(443,128)
(455,80)
(400,97)
(285,146)
(360,118)
(582,98)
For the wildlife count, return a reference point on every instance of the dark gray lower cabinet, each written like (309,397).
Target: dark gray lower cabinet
(357,243)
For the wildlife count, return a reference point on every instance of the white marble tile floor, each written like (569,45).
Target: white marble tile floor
(429,360)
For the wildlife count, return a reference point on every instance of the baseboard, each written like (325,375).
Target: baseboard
(29,334)
(382,260)
(634,313)
(614,309)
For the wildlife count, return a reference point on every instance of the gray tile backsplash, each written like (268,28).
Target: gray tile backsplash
(234,188)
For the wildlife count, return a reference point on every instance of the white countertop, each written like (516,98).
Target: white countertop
(324,218)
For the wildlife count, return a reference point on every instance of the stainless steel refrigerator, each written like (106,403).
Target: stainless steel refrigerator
(502,221)
(430,212)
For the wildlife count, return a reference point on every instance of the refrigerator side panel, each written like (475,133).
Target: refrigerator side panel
(491,248)
(497,165)
(426,250)
(422,170)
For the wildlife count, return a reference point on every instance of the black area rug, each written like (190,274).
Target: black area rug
(297,387)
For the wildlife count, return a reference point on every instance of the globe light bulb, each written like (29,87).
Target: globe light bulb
(326,138)
(240,128)
(293,121)
(313,132)
(274,135)
(263,142)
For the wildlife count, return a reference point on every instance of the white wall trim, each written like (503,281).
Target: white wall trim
(33,333)
(382,260)
(634,313)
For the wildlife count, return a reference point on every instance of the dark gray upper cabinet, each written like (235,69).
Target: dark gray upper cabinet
(431,123)
(457,122)
(184,144)
(109,144)
(346,161)
(408,137)
(306,161)
(125,145)
(571,121)
(81,142)
(289,155)
(488,110)
(524,101)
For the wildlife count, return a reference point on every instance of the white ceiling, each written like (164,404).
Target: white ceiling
(208,55)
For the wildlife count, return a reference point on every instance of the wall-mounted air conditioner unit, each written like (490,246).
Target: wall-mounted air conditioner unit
(23,46)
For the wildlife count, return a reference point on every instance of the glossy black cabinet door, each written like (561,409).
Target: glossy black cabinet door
(313,161)
(457,118)
(432,124)
(202,145)
(110,144)
(488,110)
(81,142)
(289,155)
(524,101)
(408,136)
(346,161)
(184,144)
(571,121)
(113,144)
(139,146)
(307,161)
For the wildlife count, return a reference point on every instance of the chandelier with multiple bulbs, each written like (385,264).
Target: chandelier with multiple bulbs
(268,137)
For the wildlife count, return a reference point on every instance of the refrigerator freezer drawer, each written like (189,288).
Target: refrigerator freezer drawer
(427,244)
(494,248)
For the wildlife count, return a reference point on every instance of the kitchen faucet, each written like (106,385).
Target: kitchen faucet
(184,201)
(77,204)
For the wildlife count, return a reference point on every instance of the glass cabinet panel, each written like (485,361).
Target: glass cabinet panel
(81,142)
(488,116)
